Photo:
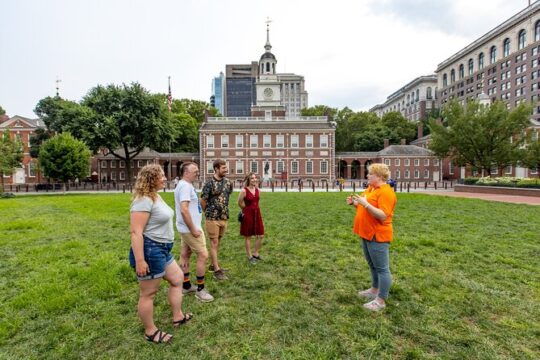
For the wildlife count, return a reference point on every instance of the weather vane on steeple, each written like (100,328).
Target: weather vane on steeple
(58,81)
(268,46)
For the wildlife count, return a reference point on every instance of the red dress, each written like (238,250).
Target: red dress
(252,223)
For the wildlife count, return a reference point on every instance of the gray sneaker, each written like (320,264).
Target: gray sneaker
(192,289)
(204,296)
(252,260)
(220,275)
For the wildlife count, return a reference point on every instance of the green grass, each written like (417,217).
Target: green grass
(466,284)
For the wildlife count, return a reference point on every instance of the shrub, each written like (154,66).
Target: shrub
(470,181)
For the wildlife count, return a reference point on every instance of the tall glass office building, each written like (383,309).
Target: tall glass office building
(240,90)
(218,93)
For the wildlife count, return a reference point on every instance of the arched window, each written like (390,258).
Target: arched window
(537,31)
(522,37)
(471,66)
(493,55)
(481,61)
(428,91)
(461,71)
(452,76)
(506,47)
(267,67)
(444,80)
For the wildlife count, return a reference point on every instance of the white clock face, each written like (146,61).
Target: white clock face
(268,93)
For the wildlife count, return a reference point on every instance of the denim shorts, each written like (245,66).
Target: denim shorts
(157,255)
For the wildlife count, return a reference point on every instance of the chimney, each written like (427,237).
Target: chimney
(403,142)
(386,143)
(420,132)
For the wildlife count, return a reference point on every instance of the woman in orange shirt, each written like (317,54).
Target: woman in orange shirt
(373,224)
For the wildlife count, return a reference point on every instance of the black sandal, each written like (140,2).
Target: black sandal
(187,317)
(161,337)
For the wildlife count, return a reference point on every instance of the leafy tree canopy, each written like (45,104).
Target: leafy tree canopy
(481,136)
(64,158)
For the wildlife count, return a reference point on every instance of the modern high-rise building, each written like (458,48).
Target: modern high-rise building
(240,92)
(218,95)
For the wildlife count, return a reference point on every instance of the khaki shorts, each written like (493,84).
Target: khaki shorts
(216,228)
(197,245)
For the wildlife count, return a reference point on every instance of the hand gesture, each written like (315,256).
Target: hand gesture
(142,268)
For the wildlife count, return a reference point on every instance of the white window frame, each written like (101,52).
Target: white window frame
(113,164)
(122,164)
(280,166)
(239,167)
(209,167)
(416,174)
(267,141)
(113,175)
(209,141)
(407,162)
(280,141)
(309,141)
(426,174)
(254,167)
(426,162)
(239,141)
(309,167)
(416,162)
(508,170)
(295,141)
(407,174)
(323,167)
(450,168)
(253,141)
(397,162)
(103,164)
(224,141)
(387,162)
(31,169)
(323,141)
(140,164)
(294,164)
(122,175)
(435,162)
(398,174)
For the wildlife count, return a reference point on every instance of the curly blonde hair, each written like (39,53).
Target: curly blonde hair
(381,170)
(147,182)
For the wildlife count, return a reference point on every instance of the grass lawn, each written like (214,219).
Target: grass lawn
(466,283)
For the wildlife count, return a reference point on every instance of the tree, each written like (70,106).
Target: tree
(37,139)
(532,155)
(11,155)
(61,115)
(64,158)
(372,139)
(400,125)
(2,111)
(127,118)
(481,136)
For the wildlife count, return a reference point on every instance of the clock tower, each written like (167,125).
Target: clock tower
(268,87)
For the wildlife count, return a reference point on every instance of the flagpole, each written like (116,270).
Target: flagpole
(169,104)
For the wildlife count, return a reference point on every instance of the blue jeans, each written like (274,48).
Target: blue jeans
(378,259)
(157,255)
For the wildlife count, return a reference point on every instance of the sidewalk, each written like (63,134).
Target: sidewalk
(529,200)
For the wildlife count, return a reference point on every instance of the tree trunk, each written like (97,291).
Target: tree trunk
(2,186)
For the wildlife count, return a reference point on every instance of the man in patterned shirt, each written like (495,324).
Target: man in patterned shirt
(215,203)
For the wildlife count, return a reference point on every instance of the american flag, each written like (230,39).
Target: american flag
(169,96)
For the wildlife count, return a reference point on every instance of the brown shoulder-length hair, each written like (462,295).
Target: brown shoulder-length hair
(147,182)
(248,176)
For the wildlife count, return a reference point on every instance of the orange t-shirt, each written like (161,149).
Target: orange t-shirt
(366,225)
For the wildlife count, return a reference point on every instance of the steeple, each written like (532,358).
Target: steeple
(267,62)
(267,46)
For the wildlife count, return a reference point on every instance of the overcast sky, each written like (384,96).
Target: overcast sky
(351,52)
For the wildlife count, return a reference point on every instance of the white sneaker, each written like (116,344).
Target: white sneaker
(204,296)
(367,294)
(374,306)
(192,289)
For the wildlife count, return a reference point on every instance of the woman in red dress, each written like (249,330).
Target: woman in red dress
(252,224)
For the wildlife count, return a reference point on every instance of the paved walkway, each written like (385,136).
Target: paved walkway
(529,200)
